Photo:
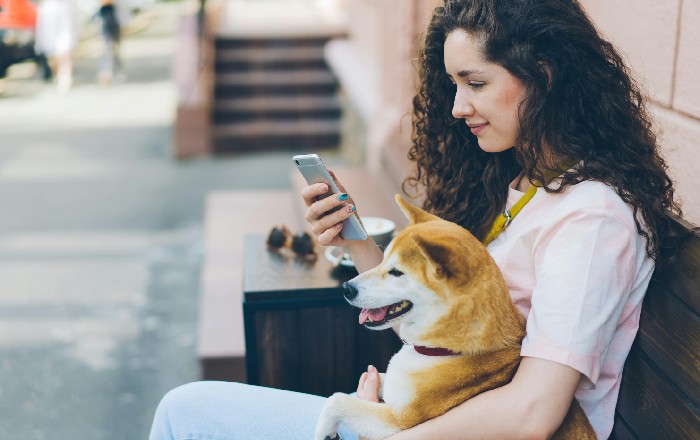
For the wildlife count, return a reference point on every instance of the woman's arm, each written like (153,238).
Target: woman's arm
(532,406)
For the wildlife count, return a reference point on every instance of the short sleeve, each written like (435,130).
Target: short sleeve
(584,271)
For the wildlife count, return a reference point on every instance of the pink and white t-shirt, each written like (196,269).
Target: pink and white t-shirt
(577,270)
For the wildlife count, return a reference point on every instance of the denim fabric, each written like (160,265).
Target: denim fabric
(232,411)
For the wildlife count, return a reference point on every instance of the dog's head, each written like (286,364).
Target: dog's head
(441,286)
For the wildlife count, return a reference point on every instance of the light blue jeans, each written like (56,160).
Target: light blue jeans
(233,411)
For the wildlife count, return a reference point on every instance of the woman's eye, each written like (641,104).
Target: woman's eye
(476,85)
(395,273)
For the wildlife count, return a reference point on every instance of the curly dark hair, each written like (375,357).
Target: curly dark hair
(580,104)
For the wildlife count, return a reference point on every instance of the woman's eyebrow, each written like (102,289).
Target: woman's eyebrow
(463,73)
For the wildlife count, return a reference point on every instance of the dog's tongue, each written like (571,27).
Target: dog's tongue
(375,314)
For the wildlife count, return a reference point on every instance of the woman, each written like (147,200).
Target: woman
(56,38)
(522,102)
(111,64)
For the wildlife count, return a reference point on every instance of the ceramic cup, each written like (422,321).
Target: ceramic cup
(381,230)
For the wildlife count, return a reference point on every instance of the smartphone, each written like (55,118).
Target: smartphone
(314,171)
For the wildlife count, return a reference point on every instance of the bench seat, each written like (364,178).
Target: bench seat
(660,390)
(229,215)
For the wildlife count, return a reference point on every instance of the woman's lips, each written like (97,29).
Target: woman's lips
(476,129)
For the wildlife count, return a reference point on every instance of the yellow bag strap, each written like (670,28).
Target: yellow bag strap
(504,218)
(507,216)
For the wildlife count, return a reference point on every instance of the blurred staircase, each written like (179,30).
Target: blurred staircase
(273,92)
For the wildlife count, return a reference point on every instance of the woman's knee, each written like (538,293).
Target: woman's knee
(191,394)
(182,409)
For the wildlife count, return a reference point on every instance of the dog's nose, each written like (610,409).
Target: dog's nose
(350,290)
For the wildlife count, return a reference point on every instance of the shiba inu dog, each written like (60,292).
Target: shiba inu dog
(461,331)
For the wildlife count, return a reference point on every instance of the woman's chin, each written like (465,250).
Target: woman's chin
(493,147)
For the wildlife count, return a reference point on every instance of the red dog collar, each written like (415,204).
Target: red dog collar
(432,351)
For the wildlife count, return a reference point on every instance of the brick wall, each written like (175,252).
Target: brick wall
(659,39)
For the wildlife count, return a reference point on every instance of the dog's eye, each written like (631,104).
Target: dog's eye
(395,273)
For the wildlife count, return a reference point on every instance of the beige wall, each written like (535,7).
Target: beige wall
(658,37)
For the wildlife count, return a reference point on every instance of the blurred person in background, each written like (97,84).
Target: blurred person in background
(111,65)
(56,37)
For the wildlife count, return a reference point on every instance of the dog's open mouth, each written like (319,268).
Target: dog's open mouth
(381,315)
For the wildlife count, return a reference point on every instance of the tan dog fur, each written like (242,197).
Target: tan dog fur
(459,302)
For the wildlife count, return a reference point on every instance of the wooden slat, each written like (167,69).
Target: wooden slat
(315,346)
(669,334)
(344,349)
(660,390)
(377,348)
(621,431)
(683,276)
(278,348)
(651,407)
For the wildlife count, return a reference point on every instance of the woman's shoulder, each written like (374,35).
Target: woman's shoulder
(590,198)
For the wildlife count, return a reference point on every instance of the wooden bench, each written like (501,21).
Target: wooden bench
(660,391)
(229,215)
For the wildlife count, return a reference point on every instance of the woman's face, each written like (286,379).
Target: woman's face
(487,96)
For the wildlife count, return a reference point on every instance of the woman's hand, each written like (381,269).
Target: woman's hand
(368,387)
(326,225)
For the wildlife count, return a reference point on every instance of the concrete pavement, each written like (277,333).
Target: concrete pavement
(101,246)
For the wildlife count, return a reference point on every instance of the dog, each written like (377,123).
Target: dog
(461,331)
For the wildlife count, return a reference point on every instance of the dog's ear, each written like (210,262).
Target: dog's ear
(437,255)
(413,213)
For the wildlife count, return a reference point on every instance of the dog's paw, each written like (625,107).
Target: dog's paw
(333,436)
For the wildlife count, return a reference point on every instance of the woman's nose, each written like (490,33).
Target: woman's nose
(462,106)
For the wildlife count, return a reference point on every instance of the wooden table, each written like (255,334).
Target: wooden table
(300,333)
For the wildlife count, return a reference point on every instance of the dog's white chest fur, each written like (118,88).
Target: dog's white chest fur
(399,389)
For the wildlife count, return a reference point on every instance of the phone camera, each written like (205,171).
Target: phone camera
(297,162)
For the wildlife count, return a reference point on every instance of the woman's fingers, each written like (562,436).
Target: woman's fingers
(324,207)
(361,385)
(368,387)
(311,192)
(331,219)
(372,385)
(326,237)
(325,213)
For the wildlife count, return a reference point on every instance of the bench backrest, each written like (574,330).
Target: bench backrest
(660,390)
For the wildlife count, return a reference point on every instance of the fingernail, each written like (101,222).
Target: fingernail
(343,196)
(371,369)
(324,188)
(351,208)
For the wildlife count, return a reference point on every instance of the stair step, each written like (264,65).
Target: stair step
(277,108)
(297,78)
(277,103)
(277,128)
(245,91)
(255,55)
(221,118)
(284,65)
(304,82)
(305,143)
(307,135)
(296,58)
(270,43)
